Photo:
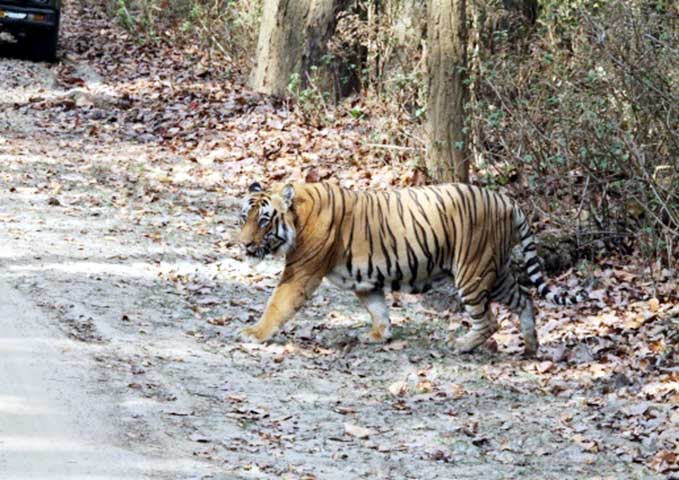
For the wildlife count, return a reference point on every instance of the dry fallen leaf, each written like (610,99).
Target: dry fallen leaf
(665,461)
(424,386)
(587,444)
(312,175)
(457,391)
(398,389)
(219,321)
(653,305)
(357,431)
(544,367)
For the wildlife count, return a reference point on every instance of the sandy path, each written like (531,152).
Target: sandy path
(52,426)
(58,417)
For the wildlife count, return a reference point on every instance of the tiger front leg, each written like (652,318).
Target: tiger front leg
(287,298)
(376,305)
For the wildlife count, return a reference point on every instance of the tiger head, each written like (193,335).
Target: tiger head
(267,221)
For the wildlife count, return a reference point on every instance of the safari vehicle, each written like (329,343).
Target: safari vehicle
(34,24)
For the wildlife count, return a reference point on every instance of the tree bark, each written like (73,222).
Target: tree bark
(292,37)
(448,150)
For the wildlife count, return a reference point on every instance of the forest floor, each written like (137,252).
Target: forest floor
(121,171)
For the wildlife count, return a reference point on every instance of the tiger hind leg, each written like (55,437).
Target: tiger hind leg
(376,305)
(530,338)
(508,292)
(484,325)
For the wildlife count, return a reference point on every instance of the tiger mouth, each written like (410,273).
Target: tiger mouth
(264,250)
(260,252)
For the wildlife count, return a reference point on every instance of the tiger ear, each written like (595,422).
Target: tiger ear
(255,187)
(288,194)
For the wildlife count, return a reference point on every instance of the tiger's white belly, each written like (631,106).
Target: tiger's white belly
(341,278)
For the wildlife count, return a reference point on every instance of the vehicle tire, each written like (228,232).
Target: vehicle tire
(43,45)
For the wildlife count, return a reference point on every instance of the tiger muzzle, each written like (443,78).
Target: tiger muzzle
(254,250)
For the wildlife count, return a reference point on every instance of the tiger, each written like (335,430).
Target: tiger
(399,240)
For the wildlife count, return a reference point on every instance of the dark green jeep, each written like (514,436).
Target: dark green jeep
(34,24)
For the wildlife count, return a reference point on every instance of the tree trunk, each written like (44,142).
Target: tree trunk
(292,37)
(448,151)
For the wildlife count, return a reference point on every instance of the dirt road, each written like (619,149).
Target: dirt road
(121,299)
(51,425)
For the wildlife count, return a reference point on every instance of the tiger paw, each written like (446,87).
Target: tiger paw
(468,342)
(530,350)
(377,334)
(256,333)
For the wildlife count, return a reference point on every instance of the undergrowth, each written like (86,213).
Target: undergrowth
(225,29)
